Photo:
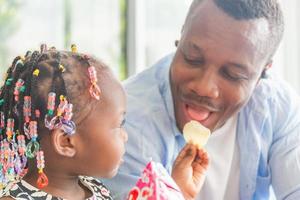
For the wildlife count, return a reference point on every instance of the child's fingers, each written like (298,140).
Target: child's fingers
(199,171)
(186,155)
(202,158)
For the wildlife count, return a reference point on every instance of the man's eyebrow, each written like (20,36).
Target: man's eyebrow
(240,66)
(192,49)
(195,47)
(244,68)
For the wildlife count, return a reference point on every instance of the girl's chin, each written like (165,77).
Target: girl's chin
(113,172)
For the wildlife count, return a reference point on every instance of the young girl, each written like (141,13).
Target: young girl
(61,118)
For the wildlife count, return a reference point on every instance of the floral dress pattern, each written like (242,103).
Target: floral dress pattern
(22,190)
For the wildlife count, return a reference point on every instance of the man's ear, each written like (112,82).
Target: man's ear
(63,144)
(266,68)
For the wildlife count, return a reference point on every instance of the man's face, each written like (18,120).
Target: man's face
(217,65)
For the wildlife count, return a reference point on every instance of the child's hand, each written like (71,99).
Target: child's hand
(189,170)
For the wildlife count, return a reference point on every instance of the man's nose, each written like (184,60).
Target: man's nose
(205,84)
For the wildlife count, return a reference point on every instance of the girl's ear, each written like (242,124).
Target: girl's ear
(63,144)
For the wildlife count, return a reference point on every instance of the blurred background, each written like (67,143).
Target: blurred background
(129,35)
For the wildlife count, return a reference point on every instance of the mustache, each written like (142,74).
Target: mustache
(201,101)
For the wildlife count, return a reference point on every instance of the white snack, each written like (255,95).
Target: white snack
(196,133)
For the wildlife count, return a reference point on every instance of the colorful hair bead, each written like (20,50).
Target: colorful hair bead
(27,108)
(50,123)
(31,149)
(61,68)
(33,146)
(2,120)
(51,103)
(37,113)
(21,144)
(8,81)
(10,164)
(74,48)
(10,128)
(62,105)
(26,130)
(18,87)
(94,88)
(6,149)
(36,72)
(18,165)
(68,126)
(42,179)
(33,129)
(68,112)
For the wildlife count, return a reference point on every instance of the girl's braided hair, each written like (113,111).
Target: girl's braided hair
(38,94)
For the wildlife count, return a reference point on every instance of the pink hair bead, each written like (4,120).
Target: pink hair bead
(42,179)
(10,128)
(6,149)
(18,86)
(37,113)
(21,144)
(27,108)
(68,112)
(51,103)
(94,89)
(93,74)
(40,160)
(2,120)
(33,129)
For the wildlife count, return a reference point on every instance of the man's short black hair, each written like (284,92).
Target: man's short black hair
(251,10)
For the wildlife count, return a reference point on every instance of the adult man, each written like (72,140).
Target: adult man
(218,77)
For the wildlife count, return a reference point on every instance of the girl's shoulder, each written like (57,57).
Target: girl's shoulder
(21,190)
(14,190)
(97,187)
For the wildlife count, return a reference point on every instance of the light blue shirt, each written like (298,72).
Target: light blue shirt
(268,134)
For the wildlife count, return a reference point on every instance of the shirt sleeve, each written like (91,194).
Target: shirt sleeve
(285,150)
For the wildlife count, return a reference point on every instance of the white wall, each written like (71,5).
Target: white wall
(95,28)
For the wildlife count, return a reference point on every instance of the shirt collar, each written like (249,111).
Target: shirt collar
(165,90)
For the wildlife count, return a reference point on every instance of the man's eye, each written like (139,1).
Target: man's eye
(233,77)
(123,123)
(194,62)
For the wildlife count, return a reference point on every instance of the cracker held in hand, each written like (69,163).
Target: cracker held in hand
(196,133)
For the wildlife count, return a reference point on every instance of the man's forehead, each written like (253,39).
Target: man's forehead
(211,23)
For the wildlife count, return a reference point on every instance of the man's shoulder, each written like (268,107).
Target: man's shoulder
(145,90)
(276,91)
(150,77)
(146,93)
(274,99)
